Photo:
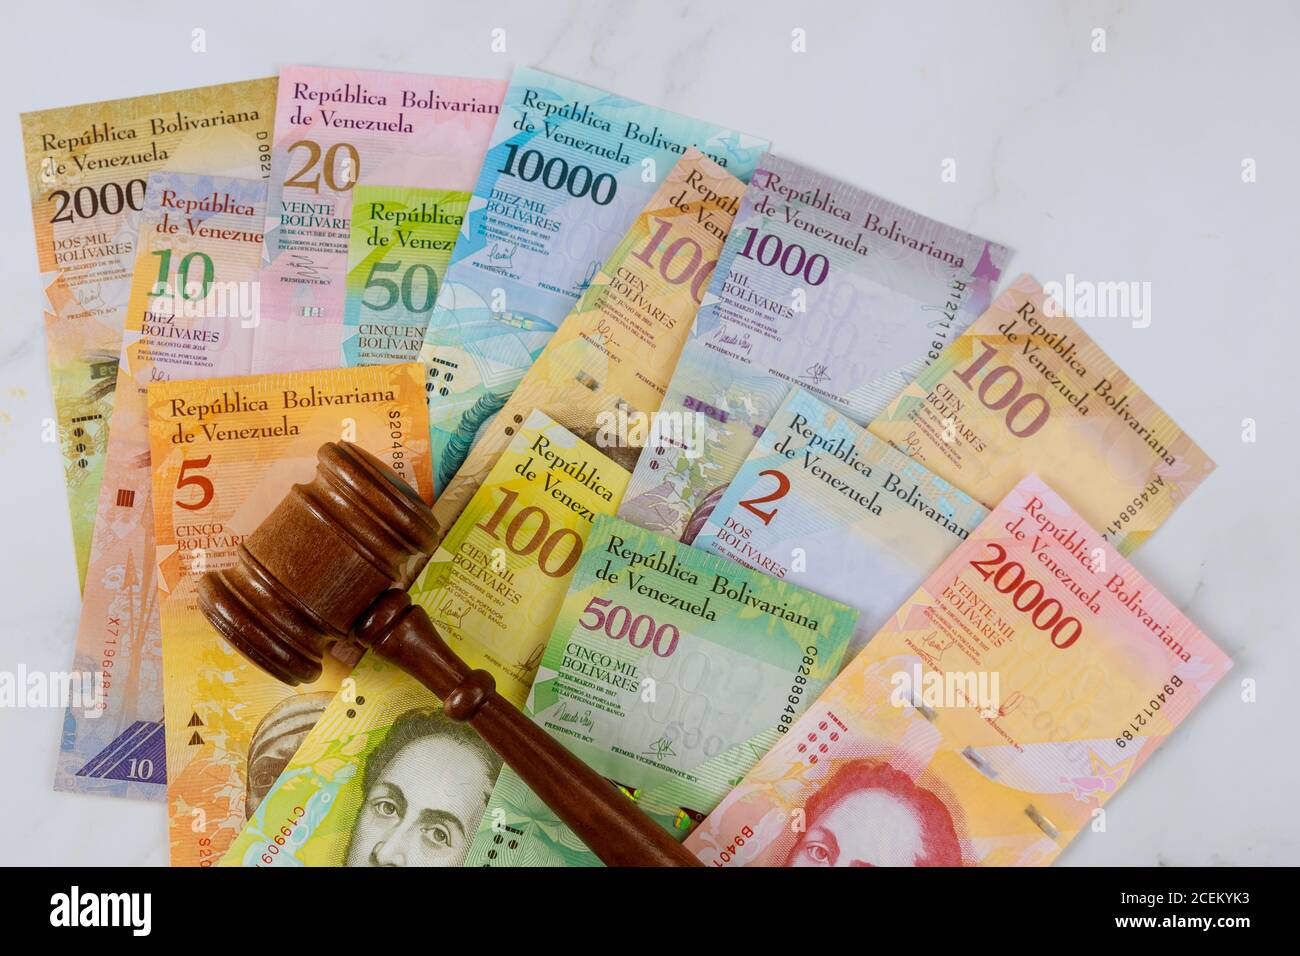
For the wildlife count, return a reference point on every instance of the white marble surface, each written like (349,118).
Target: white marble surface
(1122,165)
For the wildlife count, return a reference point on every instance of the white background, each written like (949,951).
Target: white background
(1122,165)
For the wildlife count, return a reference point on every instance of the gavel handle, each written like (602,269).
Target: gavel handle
(611,825)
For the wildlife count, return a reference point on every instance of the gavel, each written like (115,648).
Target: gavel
(332,563)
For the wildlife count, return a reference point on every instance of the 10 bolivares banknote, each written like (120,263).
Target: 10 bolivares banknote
(192,314)
(669,671)
(1001,705)
(1026,390)
(335,130)
(224,454)
(385,778)
(567,171)
(821,502)
(87,168)
(612,357)
(821,285)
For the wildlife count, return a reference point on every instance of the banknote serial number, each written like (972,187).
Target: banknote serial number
(397,433)
(1148,712)
(728,852)
(797,690)
(278,842)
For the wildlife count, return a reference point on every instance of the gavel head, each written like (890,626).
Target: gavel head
(318,561)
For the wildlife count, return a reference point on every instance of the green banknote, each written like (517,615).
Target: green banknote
(669,671)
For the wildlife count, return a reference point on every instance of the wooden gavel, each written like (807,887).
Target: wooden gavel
(331,563)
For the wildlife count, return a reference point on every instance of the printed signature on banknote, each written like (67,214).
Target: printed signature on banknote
(815,374)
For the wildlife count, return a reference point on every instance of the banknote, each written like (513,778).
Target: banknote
(568,169)
(398,249)
(662,659)
(336,129)
(823,504)
(1026,390)
(86,173)
(989,720)
(493,589)
(610,360)
(192,312)
(820,285)
(225,452)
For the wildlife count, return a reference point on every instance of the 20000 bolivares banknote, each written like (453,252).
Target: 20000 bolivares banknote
(997,710)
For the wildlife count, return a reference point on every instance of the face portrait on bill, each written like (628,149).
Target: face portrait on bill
(276,740)
(869,814)
(426,786)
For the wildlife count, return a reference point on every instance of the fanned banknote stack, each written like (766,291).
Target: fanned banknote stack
(754,493)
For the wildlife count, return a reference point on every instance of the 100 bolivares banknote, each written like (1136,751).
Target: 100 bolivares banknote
(568,169)
(87,170)
(821,285)
(192,313)
(612,357)
(822,503)
(669,671)
(989,719)
(224,454)
(385,778)
(1024,390)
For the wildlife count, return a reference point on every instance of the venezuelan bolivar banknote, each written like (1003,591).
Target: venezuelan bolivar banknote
(1026,390)
(663,658)
(336,129)
(86,172)
(989,720)
(225,452)
(612,357)
(385,779)
(191,314)
(568,169)
(398,249)
(820,285)
(821,503)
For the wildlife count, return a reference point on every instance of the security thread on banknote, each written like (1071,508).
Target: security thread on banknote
(399,245)
(384,779)
(821,285)
(822,503)
(191,314)
(604,372)
(664,659)
(87,168)
(224,452)
(992,717)
(1026,390)
(568,170)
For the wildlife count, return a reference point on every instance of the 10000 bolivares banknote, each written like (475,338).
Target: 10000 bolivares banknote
(335,130)
(1003,703)
(191,314)
(86,172)
(668,670)
(568,169)
(1025,390)
(399,245)
(384,778)
(821,285)
(822,503)
(613,355)
(225,452)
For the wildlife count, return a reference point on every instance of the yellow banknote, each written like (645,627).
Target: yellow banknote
(224,452)
(87,168)
(1023,390)
(991,718)
(606,369)
(385,779)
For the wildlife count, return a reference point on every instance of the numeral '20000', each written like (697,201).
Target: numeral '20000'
(1027,596)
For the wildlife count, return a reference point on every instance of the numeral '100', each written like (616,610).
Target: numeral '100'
(541,540)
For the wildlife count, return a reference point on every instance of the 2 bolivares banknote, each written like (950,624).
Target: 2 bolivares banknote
(876,469)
